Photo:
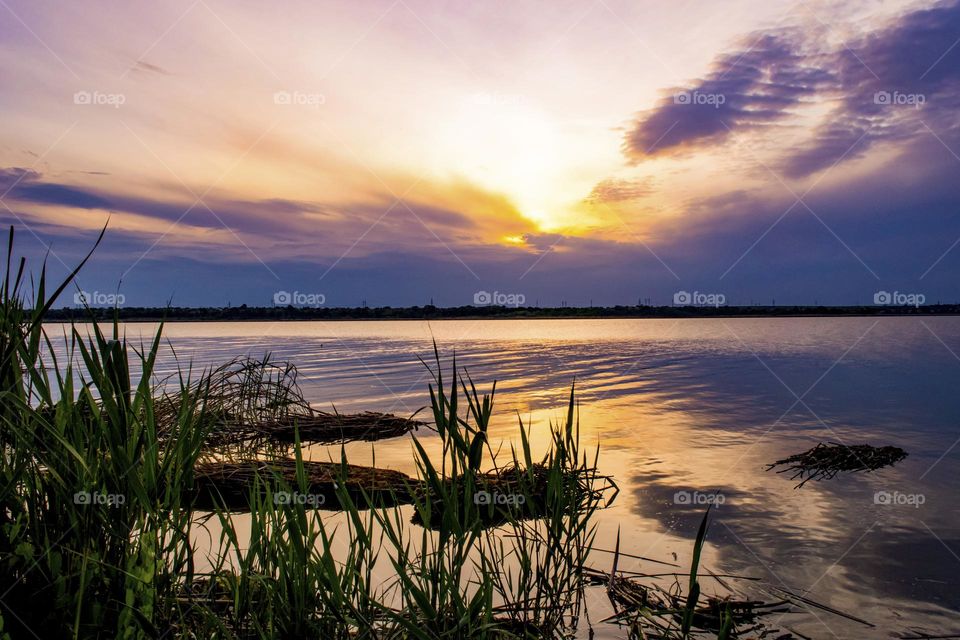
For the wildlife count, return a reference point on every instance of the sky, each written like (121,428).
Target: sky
(403,152)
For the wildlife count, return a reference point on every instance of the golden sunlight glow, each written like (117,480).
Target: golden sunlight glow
(509,146)
(542,220)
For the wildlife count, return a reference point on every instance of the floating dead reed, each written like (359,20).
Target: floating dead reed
(649,609)
(504,495)
(229,485)
(255,404)
(825,461)
(659,610)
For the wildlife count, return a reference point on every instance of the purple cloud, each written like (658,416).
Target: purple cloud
(897,83)
(892,85)
(618,190)
(25,185)
(750,88)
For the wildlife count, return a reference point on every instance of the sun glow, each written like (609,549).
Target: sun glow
(508,145)
(543,220)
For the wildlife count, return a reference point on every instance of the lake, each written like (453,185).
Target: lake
(686,409)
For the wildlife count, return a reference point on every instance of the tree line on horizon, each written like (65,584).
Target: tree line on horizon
(244,312)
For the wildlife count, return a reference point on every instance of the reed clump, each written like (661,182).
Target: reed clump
(257,404)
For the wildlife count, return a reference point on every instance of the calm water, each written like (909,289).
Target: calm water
(697,406)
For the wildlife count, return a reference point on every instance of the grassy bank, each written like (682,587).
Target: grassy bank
(100,507)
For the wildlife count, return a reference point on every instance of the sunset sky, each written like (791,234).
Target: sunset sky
(402,151)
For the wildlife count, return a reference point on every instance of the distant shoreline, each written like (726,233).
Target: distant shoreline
(292,314)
